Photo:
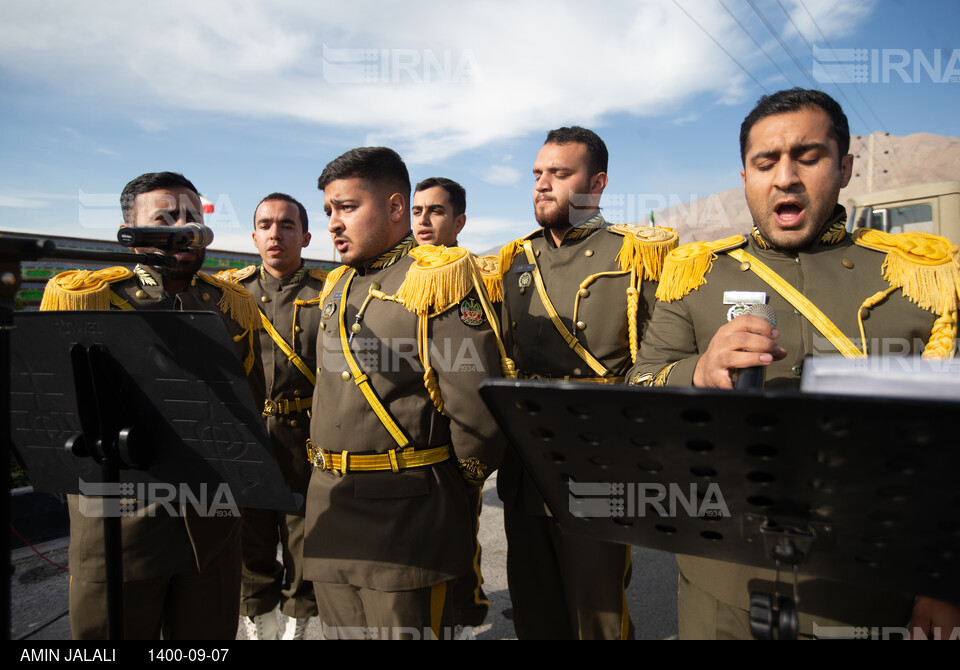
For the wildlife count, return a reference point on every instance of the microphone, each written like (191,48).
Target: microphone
(170,238)
(751,379)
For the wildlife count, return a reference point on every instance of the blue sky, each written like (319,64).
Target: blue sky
(249,98)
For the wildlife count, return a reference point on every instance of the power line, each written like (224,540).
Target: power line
(729,55)
(782,43)
(742,27)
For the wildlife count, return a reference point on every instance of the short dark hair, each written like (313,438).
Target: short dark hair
(596,149)
(793,100)
(458,195)
(151,181)
(304,223)
(373,165)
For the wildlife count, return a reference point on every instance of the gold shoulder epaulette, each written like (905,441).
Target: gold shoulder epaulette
(331,280)
(645,248)
(318,273)
(236,274)
(235,301)
(686,267)
(82,289)
(924,266)
(439,277)
(489,267)
(506,254)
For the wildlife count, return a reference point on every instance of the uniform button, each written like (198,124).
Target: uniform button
(537,253)
(584,293)
(293,423)
(345,375)
(577,372)
(796,311)
(513,325)
(797,370)
(297,329)
(744,266)
(798,260)
(296,393)
(847,263)
(375,286)
(264,298)
(141,294)
(323,325)
(581,325)
(523,289)
(588,253)
(864,312)
(206,297)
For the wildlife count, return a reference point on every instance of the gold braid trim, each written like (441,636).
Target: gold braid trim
(332,278)
(82,289)
(942,337)
(439,277)
(235,301)
(633,301)
(685,268)
(645,248)
(473,470)
(236,275)
(489,267)
(924,266)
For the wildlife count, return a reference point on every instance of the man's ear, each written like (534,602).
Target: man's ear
(306,240)
(396,206)
(459,222)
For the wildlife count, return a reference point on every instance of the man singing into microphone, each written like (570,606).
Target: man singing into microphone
(830,294)
(181,573)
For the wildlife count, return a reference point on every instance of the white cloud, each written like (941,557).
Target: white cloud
(21,203)
(501,175)
(483,235)
(441,79)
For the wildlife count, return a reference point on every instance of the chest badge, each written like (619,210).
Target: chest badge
(471,312)
(526,279)
(741,300)
(329,309)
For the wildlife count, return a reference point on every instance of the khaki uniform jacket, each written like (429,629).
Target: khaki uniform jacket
(534,343)
(837,276)
(159,545)
(284,380)
(383,530)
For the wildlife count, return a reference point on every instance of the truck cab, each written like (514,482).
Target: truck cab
(926,208)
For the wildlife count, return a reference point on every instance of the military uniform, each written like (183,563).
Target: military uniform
(600,285)
(395,447)
(906,292)
(289,312)
(181,574)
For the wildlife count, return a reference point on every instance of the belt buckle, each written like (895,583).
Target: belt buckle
(270,408)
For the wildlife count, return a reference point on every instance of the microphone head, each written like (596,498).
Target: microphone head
(765,312)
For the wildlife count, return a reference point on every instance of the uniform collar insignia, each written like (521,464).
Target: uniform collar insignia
(295,278)
(390,257)
(584,229)
(145,276)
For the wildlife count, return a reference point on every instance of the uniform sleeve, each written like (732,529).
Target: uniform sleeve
(470,355)
(668,352)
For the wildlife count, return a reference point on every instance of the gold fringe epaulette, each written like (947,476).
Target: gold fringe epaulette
(686,267)
(489,267)
(82,289)
(332,278)
(235,301)
(924,266)
(236,275)
(645,248)
(318,273)
(506,254)
(439,278)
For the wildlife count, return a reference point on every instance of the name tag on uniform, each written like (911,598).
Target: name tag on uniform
(526,267)
(740,300)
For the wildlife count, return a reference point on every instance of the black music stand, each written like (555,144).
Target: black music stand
(146,405)
(850,489)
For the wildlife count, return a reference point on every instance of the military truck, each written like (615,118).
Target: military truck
(927,208)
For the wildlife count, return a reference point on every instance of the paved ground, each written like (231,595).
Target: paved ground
(39,590)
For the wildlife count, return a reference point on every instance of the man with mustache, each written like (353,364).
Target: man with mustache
(286,292)
(181,573)
(826,287)
(399,432)
(577,294)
